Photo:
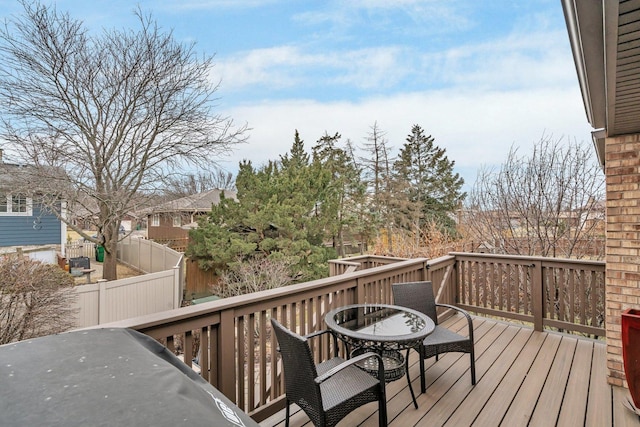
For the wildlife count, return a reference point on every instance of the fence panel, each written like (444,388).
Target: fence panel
(146,255)
(80,249)
(116,300)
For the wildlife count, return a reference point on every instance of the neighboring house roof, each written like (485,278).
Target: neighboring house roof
(200,202)
(604,37)
(10,173)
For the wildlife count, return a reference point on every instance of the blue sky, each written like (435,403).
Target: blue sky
(479,76)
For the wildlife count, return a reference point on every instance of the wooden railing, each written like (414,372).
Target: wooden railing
(565,294)
(236,352)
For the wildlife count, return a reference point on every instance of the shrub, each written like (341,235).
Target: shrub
(35,299)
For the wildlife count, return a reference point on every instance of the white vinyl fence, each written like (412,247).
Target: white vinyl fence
(80,249)
(104,301)
(147,255)
(159,290)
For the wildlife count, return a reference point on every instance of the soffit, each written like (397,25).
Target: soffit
(624,98)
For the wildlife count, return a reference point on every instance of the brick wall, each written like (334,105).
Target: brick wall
(622,167)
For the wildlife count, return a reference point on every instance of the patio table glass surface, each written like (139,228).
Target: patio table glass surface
(381,326)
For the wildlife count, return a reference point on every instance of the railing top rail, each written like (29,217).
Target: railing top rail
(366,258)
(349,263)
(441,259)
(525,258)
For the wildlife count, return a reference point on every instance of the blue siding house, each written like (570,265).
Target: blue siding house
(23,221)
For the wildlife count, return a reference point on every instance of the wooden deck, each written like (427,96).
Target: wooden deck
(525,378)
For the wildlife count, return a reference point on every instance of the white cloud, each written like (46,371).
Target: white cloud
(290,66)
(424,16)
(475,128)
(519,60)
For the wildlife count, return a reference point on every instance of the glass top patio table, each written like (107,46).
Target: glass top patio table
(385,329)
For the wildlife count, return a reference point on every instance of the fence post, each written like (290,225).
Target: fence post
(102,303)
(537,296)
(176,286)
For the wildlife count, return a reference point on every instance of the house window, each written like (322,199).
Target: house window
(15,205)
(155,220)
(177,221)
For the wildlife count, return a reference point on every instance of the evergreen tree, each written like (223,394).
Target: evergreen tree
(429,189)
(340,178)
(274,219)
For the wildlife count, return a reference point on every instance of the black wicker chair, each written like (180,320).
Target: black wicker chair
(330,390)
(419,296)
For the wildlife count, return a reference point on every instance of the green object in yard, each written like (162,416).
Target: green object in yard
(205,299)
(100,253)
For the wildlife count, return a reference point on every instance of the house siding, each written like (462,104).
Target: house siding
(622,168)
(166,230)
(40,228)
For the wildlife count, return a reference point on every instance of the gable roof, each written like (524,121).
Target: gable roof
(200,202)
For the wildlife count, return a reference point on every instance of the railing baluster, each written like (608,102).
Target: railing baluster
(242,360)
(263,358)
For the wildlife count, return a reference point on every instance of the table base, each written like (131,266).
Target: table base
(392,360)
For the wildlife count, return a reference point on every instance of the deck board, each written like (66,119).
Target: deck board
(577,393)
(467,412)
(523,378)
(462,387)
(600,398)
(497,406)
(551,396)
(526,397)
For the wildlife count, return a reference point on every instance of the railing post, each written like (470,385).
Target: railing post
(360,292)
(537,296)
(226,353)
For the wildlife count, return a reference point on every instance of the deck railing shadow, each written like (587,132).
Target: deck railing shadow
(231,340)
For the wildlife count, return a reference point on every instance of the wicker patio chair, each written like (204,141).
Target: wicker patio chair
(419,296)
(330,390)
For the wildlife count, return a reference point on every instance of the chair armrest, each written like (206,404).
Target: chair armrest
(322,332)
(465,313)
(331,372)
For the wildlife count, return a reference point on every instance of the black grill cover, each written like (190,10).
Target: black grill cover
(106,377)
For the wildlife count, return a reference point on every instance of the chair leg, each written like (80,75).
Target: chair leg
(423,382)
(382,411)
(286,422)
(473,368)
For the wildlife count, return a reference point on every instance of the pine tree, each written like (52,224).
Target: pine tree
(342,187)
(429,189)
(274,219)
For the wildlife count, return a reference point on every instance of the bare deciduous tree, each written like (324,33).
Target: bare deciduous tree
(35,299)
(105,116)
(182,186)
(377,172)
(548,204)
(253,275)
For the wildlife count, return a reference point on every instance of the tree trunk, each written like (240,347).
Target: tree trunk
(109,267)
